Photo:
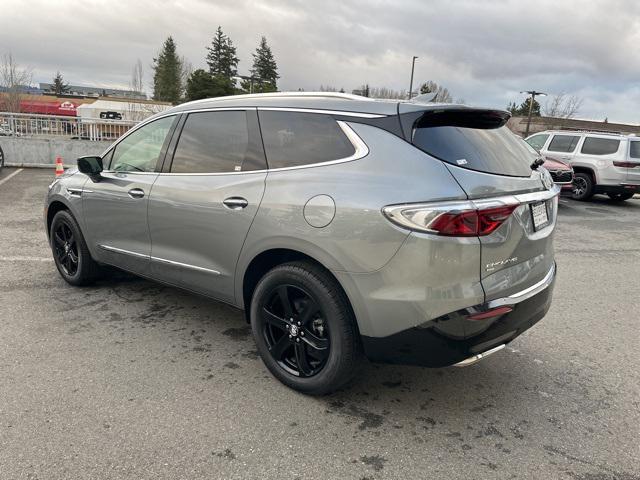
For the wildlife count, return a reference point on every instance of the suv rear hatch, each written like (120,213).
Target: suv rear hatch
(493,166)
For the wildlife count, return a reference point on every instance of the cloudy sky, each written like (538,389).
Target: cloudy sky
(485,52)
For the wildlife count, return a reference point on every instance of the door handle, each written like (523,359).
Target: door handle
(136,193)
(235,203)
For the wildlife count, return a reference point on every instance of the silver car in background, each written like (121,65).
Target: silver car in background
(345,228)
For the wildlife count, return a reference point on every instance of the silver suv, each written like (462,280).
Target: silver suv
(602,162)
(344,227)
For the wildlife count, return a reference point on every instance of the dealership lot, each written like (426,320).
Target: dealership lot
(131,379)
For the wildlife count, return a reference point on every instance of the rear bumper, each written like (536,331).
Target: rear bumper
(452,338)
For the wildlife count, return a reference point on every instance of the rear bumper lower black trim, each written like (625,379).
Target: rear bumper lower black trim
(433,346)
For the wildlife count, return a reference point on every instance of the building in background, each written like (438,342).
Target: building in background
(95,92)
(518,125)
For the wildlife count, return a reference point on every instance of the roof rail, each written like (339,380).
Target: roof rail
(337,95)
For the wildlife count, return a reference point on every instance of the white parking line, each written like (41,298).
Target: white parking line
(10,176)
(25,259)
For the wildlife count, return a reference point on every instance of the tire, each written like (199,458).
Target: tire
(320,350)
(620,197)
(582,186)
(1,158)
(70,251)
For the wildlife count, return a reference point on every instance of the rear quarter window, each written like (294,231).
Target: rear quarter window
(599,146)
(634,150)
(293,139)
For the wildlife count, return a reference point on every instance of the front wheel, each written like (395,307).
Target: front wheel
(582,186)
(304,329)
(620,197)
(70,251)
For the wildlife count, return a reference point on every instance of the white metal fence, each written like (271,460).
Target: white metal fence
(32,125)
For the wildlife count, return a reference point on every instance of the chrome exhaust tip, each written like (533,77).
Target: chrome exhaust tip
(476,358)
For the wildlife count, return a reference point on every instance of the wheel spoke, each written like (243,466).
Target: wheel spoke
(315,342)
(283,295)
(57,238)
(302,360)
(310,309)
(277,350)
(274,320)
(63,257)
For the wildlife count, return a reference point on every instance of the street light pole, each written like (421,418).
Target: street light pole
(413,66)
(533,94)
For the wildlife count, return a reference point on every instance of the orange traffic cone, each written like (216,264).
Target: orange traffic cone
(59,167)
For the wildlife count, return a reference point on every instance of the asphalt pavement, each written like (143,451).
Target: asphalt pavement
(132,379)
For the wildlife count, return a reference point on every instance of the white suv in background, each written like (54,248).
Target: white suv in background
(602,162)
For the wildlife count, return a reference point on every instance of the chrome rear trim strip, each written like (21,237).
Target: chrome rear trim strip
(184,265)
(527,292)
(123,251)
(476,358)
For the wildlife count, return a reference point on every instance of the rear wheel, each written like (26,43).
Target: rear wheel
(582,186)
(304,329)
(620,197)
(70,251)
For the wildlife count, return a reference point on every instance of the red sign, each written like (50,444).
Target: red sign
(42,107)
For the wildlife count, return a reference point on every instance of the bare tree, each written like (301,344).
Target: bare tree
(186,69)
(137,77)
(13,79)
(562,106)
(387,93)
(328,88)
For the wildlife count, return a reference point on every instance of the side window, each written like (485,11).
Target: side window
(217,142)
(634,150)
(563,143)
(139,151)
(538,141)
(293,139)
(599,146)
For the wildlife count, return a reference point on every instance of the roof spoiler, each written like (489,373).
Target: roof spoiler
(452,116)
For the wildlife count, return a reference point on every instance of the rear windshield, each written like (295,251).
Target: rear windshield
(477,140)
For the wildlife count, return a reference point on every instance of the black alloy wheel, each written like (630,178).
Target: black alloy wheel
(620,197)
(70,251)
(305,329)
(66,248)
(295,331)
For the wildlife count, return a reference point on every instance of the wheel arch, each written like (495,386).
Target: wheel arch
(54,207)
(588,170)
(264,261)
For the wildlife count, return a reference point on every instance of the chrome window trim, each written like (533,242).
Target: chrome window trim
(184,265)
(361,150)
(325,112)
(123,251)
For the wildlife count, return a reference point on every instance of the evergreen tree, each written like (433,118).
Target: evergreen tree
(202,84)
(167,72)
(264,70)
(58,86)
(523,109)
(222,59)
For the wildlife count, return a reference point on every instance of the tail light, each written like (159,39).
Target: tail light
(454,219)
(626,164)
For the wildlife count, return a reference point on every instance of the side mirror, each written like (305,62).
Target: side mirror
(91,166)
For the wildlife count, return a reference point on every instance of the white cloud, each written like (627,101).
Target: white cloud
(483,51)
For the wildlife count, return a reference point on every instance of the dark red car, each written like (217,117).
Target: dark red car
(561,173)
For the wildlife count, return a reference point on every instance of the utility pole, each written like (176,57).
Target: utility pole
(533,95)
(413,66)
